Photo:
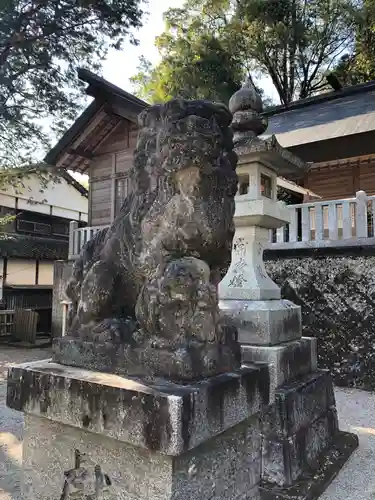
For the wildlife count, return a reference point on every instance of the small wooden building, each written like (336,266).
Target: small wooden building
(335,131)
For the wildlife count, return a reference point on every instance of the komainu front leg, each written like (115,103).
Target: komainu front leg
(178,314)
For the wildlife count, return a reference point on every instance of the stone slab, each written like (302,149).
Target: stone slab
(285,460)
(187,361)
(298,404)
(154,415)
(314,483)
(286,362)
(264,322)
(221,468)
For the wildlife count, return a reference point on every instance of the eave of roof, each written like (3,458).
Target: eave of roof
(102,89)
(105,94)
(317,99)
(333,116)
(84,118)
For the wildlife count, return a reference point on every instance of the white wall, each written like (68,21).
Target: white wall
(20,272)
(60,199)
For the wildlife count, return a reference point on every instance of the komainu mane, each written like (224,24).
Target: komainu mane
(144,292)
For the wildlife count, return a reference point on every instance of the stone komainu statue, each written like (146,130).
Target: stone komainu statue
(144,292)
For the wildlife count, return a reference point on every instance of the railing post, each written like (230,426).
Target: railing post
(347,231)
(293,226)
(73,226)
(333,226)
(280,234)
(361,215)
(319,226)
(306,223)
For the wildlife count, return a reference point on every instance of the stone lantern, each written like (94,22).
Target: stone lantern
(247,293)
(300,426)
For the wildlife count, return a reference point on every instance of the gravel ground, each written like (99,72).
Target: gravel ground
(356,410)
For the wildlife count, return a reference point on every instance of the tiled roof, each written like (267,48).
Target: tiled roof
(14,245)
(342,115)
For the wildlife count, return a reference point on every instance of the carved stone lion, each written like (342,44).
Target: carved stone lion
(144,292)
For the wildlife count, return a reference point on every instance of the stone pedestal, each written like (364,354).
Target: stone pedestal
(287,362)
(91,435)
(303,449)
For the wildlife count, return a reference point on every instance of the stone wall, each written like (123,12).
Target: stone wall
(61,273)
(337,295)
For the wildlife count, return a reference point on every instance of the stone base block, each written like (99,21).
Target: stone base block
(92,435)
(285,460)
(188,361)
(286,362)
(264,322)
(59,459)
(157,415)
(313,483)
(298,405)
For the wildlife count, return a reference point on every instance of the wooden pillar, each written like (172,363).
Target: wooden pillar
(2,276)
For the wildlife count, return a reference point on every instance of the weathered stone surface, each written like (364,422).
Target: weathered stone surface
(284,460)
(159,416)
(264,322)
(221,468)
(144,360)
(312,484)
(298,405)
(148,285)
(286,362)
(337,296)
(62,271)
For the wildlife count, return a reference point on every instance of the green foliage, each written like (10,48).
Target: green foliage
(199,68)
(41,44)
(209,45)
(359,66)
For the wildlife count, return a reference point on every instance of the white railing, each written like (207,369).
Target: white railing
(79,236)
(348,222)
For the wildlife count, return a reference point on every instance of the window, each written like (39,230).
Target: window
(266,186)
(33,227)
(123,188)
(243,184)
(60,228)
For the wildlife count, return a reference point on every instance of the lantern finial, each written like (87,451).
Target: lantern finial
(246,105)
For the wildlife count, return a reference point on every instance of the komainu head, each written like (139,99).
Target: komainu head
(184,172)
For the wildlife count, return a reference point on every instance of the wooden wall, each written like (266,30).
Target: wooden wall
(109,174)
(343,178)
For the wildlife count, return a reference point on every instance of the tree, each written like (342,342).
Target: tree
(359,66)
(292,41)
(195,68)
(41,44)
(296,41)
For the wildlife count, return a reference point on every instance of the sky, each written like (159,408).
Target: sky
(120,66)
